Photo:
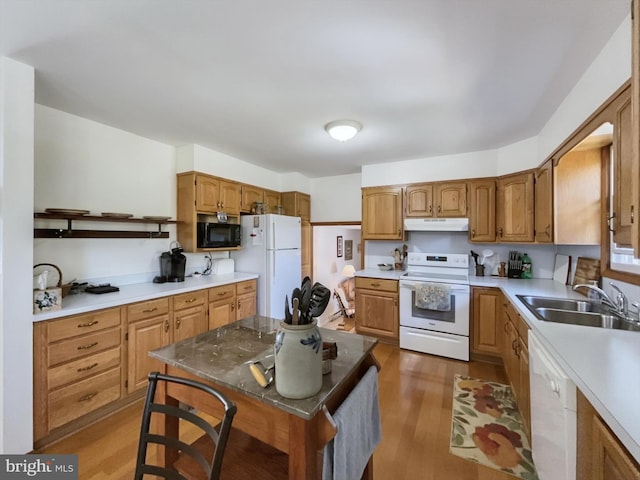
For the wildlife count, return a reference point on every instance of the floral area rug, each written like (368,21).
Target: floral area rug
(487,427)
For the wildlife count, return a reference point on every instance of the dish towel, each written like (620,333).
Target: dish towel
(359,431)
(433,296)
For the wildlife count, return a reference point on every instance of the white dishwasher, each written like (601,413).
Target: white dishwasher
(553,415)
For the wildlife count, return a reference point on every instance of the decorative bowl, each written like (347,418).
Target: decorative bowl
(385,266)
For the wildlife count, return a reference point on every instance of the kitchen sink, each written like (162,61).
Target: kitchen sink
(561,304)
(576,312)
(588,319)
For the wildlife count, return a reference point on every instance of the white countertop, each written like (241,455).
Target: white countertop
(603,363)
(87,302)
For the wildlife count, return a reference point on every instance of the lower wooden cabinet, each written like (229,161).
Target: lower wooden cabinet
(377,311)
(601,456)
(515,355)
(78,367)
(87,365)
(228,303)
(486,311)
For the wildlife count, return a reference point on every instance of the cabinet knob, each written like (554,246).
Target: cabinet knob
(178,324)
(473,233)
(233,307)
(547,231)
(88,324)
(500,232)
(166,326)
(439,208)
(191,300)
(430,208)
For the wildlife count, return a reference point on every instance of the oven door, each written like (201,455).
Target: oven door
(455,320)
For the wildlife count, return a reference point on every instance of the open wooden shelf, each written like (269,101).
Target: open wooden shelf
(69,232)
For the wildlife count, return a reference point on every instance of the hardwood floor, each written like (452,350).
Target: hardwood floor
(415,401)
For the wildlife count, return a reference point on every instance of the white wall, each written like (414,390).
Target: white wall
(336,199)
(16,256)
(87,165)
(202,159)
(610,69)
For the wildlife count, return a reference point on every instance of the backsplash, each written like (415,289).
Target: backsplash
(542,255)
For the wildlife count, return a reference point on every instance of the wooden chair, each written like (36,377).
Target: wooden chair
(209,464)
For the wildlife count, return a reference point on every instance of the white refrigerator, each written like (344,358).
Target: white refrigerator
(271,248)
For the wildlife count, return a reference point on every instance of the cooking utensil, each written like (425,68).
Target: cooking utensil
(288,318)
(475,257)
(320,296)
(295,303)
(305,295)
(486,254)
(263,375)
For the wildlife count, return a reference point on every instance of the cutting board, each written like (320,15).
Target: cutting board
(561,268)
(587,269)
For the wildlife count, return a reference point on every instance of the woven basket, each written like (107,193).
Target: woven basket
(65,288)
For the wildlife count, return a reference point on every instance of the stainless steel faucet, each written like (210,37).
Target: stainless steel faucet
(621,301)
(606,299)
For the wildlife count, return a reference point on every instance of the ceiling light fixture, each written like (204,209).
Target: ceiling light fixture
(343,130)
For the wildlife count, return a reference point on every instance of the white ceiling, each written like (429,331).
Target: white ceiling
(259,79)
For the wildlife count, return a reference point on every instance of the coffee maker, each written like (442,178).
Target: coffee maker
(172,265)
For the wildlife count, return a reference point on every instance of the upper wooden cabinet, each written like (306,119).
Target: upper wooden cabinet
(623,178)
(577,192)
(296,204)
(515,203)
(446,199)
(419,200)
(250,195)
(217,195)
(271,200)
(382,213)
(451,199)
(543,192)
(482,210)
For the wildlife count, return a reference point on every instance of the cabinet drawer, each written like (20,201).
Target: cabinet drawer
(147,309)
(82,324)
(191,299)
(377,284)
(80,398)
(83,368)
(222,292)
(245,287)
(83,346)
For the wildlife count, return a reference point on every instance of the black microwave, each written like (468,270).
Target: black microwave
(218,235)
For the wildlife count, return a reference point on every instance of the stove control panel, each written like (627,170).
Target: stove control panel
(451,260)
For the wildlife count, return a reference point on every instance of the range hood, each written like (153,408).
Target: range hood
(436,224)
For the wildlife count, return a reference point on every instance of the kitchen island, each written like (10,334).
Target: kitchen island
(297,427)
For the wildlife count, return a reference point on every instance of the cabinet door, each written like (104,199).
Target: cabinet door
(482,211)
(487,305)
(544,203)
(230,197)
(419,200)
(377,314)
(524,394)
(304,206)
(382,213)
(145,335)
(189,322)
(222,313)
(306,248)
(246,305)
(623,177)
(610,460)
(207,194)
(451,199)
(577,197)
(515,208)
(271,200)
(250,195)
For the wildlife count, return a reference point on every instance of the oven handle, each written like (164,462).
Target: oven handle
(454,287)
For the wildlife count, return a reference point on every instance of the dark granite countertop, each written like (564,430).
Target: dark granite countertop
(223,355)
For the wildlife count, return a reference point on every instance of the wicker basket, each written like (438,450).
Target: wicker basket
(49,299)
